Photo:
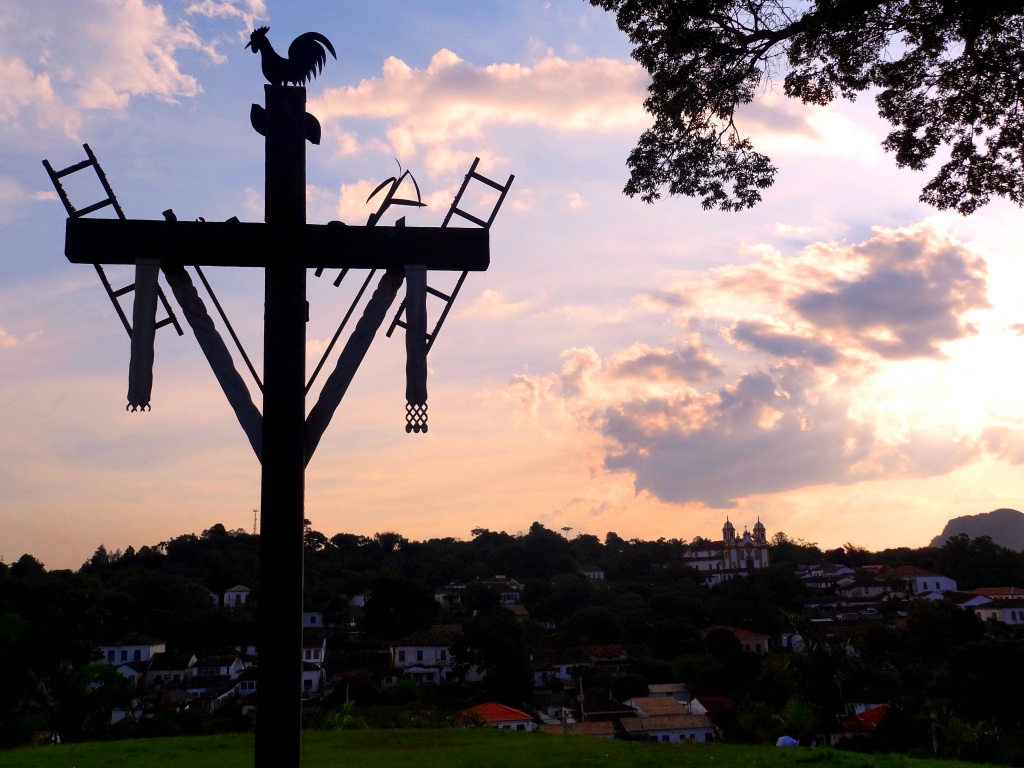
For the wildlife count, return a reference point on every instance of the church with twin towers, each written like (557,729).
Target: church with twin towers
(734,555)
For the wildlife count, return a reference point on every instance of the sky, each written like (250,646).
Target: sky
(840,362)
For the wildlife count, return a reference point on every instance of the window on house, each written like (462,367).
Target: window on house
(124,655)
(312,619)
(110,656)
(444,655)
(401,655)
(307,684)
(419,655)
(136,655)
(664,737)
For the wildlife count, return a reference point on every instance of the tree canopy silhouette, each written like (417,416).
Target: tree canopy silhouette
(946,74)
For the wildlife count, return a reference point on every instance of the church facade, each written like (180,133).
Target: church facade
(735,555)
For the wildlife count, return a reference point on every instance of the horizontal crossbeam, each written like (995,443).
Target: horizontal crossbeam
(243,244)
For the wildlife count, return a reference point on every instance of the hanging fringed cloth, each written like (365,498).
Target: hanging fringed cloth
(140,368)
(415,348)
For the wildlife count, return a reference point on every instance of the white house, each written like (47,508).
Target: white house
(557,664)
(917,581)
(313,678)
(237,596)
(132,647)
(170,668)
(426,656)
(314,644)
(227,665)
(1008,610)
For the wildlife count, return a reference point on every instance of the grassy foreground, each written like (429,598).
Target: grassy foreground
(445,749)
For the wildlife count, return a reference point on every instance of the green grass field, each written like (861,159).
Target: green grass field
(440,748)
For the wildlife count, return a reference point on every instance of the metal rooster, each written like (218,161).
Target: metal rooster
(306,57)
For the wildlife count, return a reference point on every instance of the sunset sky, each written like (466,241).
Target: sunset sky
(841,362)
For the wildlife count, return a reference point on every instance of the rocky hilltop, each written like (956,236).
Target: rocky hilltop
(1004,526)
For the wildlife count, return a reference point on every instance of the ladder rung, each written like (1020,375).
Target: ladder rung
(470,217)
(122,291)
(165,321)
(443,296)
(73,168)
(488,182)
(94,207)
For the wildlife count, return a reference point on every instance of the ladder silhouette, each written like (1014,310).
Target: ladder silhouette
(454,210)
(75,213)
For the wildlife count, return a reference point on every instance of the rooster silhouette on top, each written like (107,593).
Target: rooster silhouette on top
(306,57)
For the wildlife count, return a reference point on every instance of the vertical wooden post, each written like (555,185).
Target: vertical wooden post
(279,713)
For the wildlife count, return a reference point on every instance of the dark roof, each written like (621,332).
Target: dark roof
(440,635)
(601,708)
(572,655)
(161,661)
(220,660)
(313,636)
(135,638)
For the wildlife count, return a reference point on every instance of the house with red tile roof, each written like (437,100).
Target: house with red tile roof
(993,592)
(494,715)
(754,642)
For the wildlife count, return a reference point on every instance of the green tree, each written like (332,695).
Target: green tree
(398,606)
(494,642)
(947,75)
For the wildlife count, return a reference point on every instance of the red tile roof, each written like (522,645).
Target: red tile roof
(492,712)
(867,720)
(998,591)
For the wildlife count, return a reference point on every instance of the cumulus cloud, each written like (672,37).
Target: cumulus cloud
(911,297)
(131,52)
(1005,442)
(246,11)
(781,343)
(900,294)
(769,431)
(9,341)
(690,362)
(802,339)
(95,54)
(452,101)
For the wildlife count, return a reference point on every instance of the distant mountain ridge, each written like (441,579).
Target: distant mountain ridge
(1004,526)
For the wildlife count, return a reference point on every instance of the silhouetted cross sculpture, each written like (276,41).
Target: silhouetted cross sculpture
(285,247)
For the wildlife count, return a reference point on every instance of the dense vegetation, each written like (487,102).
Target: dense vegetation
(939,667)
